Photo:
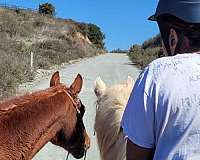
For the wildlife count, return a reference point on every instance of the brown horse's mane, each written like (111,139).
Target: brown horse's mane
(30,99)
(29,121)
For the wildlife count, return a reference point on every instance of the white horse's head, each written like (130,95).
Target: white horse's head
(111,102)
(100,86)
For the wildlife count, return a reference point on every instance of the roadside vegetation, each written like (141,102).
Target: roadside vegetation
(143,54)
(52,40)
(118,50)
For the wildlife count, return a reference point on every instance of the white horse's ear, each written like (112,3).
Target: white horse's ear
(99,87)
(130,81)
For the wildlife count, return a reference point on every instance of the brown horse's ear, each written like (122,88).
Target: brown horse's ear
(55,79)
(77,84)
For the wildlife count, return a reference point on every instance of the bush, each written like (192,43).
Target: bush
(119,51)
(93,32)
(152,42)
(96,36)
(83,29)
(60,51)
(135,54)
(143,54)
(47,8)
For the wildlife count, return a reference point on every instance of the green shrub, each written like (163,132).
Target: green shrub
(152,42)
(47,8)
(96,36)
(93,32)
(143,54)
(83,28)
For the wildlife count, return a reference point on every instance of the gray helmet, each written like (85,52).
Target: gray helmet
(187,10)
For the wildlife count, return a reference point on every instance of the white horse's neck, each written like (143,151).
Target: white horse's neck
(119,146)
(111,104)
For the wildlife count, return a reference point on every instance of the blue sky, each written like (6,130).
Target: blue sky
(124,22)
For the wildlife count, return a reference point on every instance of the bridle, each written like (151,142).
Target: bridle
(73,102)
(97,106)
(77,106)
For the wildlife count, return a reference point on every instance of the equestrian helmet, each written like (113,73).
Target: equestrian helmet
(186,10)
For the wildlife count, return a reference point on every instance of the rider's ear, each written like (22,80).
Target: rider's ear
(173,40)
(55,79)
(77,84)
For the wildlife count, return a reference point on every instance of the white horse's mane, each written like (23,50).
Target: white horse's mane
(111,102)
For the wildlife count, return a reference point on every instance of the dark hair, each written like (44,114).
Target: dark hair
(190,30)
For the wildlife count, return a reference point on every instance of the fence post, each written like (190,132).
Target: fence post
(31,61)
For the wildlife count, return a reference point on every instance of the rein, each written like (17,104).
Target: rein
(78,112)
(84,155)
(97,106)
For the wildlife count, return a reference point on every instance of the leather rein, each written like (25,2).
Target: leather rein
(76,106)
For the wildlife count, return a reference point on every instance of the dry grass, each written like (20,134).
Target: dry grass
(53,42)
(14,69)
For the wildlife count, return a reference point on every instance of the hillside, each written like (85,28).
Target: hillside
(53,41)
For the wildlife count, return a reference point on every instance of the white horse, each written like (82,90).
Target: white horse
(111,102)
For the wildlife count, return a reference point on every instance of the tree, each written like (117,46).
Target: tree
(83,28)
(93,32)
(96,36)
(47,8)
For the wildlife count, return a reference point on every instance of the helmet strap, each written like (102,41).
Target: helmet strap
(180,42)
(165,38)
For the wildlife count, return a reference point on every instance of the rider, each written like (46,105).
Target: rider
(162,117)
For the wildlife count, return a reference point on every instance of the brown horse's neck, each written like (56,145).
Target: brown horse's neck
(28,124)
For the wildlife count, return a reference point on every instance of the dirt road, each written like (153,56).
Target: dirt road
(112,68)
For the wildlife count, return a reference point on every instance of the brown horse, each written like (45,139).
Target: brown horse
(28,122)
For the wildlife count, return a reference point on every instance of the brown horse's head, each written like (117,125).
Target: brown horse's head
(73,136)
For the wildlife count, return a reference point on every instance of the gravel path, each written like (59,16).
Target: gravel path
(112,68)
